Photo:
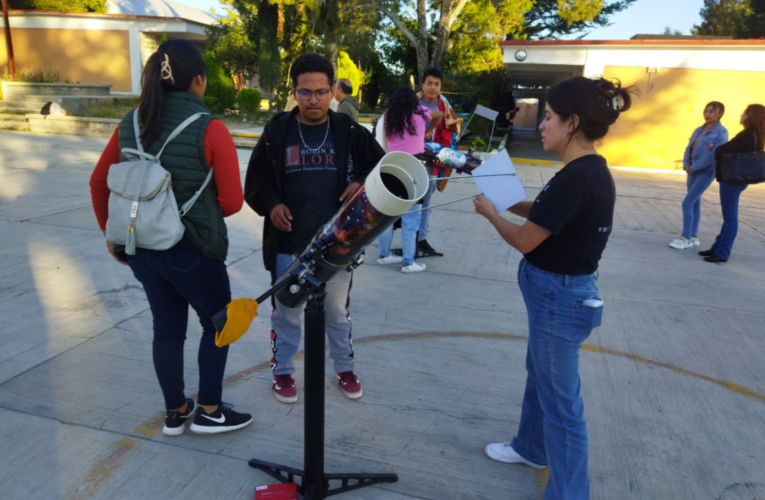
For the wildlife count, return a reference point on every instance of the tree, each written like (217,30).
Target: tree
(723,18)
(347,69)
(229,40)
(556,18)
(59,5)
(670,31)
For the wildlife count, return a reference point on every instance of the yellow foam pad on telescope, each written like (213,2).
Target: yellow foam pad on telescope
(240,313)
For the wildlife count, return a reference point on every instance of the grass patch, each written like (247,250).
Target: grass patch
(117,109)
(12,112)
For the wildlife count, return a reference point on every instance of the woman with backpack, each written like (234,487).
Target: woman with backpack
(192,272)
(404,127)
(566,230)
(699,165)
(751,139)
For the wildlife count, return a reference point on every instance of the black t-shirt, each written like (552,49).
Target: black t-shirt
(577,207)
(311,185)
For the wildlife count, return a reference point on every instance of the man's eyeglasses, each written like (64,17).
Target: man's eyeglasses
(321,94)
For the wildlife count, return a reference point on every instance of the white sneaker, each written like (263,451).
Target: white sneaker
(681,244)
(414,267)
(696,242)
(503,452)
(390,259)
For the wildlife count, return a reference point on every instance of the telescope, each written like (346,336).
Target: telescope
(397,182)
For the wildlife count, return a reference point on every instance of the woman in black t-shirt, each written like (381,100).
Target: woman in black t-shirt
(562,240)
(752,138)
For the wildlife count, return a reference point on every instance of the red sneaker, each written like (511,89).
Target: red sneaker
(350,385)
(284,389)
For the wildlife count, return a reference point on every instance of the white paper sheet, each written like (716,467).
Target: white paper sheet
(503,191)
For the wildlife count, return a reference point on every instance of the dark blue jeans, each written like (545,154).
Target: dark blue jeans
(552,430)
(729,196)
(174,280)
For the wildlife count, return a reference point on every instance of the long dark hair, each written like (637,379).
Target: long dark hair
(402,106)
(596,102)
(173,66)
(755,121)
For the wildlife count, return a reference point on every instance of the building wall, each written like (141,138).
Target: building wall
(656,130)
(85,56)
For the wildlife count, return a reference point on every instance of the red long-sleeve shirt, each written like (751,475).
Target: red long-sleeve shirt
(220,153)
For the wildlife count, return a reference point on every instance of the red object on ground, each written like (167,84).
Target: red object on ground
(286,491)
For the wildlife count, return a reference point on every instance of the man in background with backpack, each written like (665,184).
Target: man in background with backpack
(307,162)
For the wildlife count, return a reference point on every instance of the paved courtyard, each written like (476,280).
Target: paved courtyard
(674,380)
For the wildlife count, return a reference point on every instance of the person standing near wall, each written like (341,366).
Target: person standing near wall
(699,165)
(752,138)
(562,240)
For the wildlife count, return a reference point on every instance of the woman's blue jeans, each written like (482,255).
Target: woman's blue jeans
(697,184)
(729,197)
(553,430)
(410,222)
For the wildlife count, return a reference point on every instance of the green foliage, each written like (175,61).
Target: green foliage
(478,144)
(59,5)
(737,18)
(118,108)
(229,40)
(219,82)
(40,76)
(347,69)
(557,18)
(670,31)
(163,39)
(213,104)
(249,101)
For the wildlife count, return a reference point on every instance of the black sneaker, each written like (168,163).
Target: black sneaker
(707,253)
(224,419)
(425,247)
(175,421)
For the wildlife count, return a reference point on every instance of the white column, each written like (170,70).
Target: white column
(136,64)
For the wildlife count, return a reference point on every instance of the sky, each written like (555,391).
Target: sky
(644,17)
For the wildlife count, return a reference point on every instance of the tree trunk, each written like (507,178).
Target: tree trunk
(332,51)
(422,38)
(442,36)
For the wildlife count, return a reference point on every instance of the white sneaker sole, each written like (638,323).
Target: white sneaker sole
(519,460)
(678,247)
(352,395)
(174,431)
(407,270)
(283,399)
(203,429)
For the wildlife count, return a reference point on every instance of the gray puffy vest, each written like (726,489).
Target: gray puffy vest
(185,159)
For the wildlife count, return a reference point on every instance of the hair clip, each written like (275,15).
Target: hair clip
(616,103)
(167,73)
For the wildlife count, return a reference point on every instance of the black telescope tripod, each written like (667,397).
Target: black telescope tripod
(315,483)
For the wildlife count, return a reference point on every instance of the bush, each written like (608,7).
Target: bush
(249,101)
(41,76)
(220,85)
(213,104)
(60,5)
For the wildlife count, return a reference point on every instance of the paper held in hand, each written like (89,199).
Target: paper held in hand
(503,188)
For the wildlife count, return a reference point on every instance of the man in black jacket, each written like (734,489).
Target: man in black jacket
(305,164)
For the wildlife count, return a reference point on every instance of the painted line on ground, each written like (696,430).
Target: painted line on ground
(103,469)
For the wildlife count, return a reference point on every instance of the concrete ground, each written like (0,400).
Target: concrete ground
(673,381)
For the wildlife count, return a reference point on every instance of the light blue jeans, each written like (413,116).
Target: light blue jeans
(286,326)
(552,430)
(697,184)
(729,197)
(425,219)
(409,224)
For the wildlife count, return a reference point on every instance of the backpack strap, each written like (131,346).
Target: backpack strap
(137,130)
(190,203)
(180,128)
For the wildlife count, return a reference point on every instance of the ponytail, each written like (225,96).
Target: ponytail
(172,67)
(596,102)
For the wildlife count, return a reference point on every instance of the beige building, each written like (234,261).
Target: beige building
(101,48)
(676,77)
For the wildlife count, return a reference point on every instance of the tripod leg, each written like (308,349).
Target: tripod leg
(314,394)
